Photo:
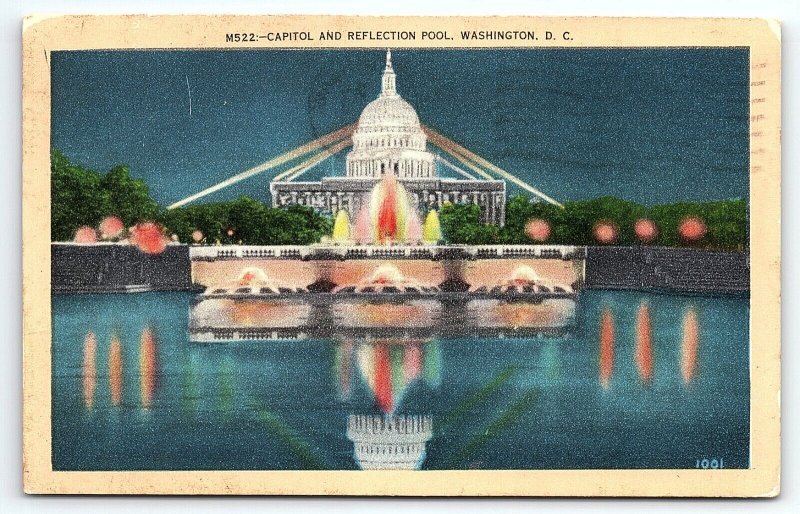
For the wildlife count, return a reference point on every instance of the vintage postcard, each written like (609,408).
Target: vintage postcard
(317,255)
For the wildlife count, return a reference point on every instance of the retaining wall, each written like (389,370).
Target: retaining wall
(682,270)
(103,268)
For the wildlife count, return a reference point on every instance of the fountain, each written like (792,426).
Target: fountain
(341,227)
(432,231)
(388,217)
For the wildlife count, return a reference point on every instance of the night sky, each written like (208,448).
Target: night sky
(652,126)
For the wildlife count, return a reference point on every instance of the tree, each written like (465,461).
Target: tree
(76,197)
(581,217)
(251,222)
(461,224)
(80,196)
(129,198)
(520,210)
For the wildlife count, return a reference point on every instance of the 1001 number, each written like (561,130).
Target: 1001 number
(709,464)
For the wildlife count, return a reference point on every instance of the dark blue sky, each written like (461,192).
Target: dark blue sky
(651,126)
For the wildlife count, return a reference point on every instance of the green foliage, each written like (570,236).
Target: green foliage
(77,198)
(130,198)
(81,196)
(574,224)
(461,225)
(251,222)
(84,197)
(579,219)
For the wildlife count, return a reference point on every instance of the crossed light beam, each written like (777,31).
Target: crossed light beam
(464,156)
(336,135)
(336,141)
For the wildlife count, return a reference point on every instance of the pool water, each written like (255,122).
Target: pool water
(131,392)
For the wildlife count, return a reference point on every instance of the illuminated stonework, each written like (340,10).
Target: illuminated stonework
(389,442)
(389,138)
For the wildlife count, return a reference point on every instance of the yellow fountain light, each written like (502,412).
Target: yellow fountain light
(341,227)
(432,230)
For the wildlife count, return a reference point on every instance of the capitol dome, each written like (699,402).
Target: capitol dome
(389,137)
(389,111)
(389,442)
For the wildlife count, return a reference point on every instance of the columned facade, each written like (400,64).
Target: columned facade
(389,442)
(389,140)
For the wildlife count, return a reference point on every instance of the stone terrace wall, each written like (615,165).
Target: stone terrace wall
(670,269)
(105,268)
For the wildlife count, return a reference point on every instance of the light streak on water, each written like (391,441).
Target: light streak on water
(89,369)
(148,367)
(606,347)
(115,370)
(644,343)
(689,345)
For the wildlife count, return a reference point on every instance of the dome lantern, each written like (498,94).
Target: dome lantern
(388,87)
(389,137)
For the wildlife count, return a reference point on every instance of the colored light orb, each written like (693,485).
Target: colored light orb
(230,231)
(149,238)
(111,227)
(605,233)
(692,229)
(645,229)
(538,230)
(85,235)
(197,236)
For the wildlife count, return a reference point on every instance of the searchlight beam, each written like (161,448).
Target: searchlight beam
(344,132)
(445,145)
(454,167)
(466,162)
(434,136)
(295,171)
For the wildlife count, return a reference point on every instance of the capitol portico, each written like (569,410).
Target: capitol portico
(389,138)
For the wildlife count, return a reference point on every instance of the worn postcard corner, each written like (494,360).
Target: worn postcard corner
(428,256)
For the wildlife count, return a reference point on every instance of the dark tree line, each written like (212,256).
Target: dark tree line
(80,196)
(249,221)
(83,197)
(726,222)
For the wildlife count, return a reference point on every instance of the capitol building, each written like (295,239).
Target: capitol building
(389,139)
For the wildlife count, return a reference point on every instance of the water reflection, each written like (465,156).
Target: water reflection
(389,442)
(89,369)
(389,367)
(147,367)
(343,362)
(644,343)
(400,402)
(689,345)
(606,347)
(115,370)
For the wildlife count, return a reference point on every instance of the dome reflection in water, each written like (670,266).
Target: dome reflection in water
(275,404)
